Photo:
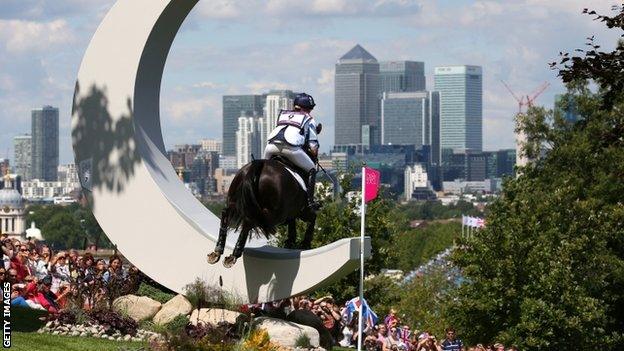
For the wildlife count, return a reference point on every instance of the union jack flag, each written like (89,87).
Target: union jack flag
(353,306)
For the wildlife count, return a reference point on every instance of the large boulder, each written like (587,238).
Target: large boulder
(179,305)
(137,307)
(286,333)
(214,316)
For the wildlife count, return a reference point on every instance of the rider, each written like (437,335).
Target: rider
(295,138)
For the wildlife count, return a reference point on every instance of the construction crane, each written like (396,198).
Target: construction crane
(526,100)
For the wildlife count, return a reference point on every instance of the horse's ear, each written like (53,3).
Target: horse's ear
(319,128)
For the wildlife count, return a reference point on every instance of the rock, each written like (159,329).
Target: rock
(137,307)
(213,316)
(110,337)
(286,333)
(127,337)
(83,334)
(49,324)
(172,308)
(104,336)
(75,333)
(136,339)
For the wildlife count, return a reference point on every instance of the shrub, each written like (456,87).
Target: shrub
(177,325)
(112,321)
(154,293)
(259,340)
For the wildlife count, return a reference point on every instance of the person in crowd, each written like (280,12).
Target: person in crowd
(36,265)
(499,347)
(7,252)
(427,342)
(19,262)
(88,269)
(46,256)
(115,269)
(72,259)
(12,276)
(451,342)
(60,271)
(382,334)
(393,342)
(3,276)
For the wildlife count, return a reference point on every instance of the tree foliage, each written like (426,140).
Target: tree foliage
(548,270)
(414,247)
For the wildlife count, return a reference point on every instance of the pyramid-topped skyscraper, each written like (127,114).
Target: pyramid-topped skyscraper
(357,89)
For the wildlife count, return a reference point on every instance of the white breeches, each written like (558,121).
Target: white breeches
(294,154)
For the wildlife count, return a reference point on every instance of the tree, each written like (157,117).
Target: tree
(548,270)
(63,231)
(412,248)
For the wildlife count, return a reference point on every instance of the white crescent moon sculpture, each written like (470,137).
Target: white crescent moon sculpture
(134,192)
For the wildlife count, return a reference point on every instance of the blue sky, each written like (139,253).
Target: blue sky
(251,46)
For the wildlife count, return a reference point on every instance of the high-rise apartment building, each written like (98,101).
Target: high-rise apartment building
(461,106)
(22,146)
(235,106)
(248,140)
(276,100)
(357,92)
(45,143)
(406,118)
(402,76)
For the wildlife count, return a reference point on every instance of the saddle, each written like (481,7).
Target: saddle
(291,166)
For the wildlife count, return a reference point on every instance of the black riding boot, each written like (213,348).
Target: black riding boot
(312,204)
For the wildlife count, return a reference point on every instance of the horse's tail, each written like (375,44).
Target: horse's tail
(247,204)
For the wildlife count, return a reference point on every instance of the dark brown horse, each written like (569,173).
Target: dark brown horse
(262,196)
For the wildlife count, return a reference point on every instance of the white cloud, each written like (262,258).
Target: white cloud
(190,109)
(326,81)
(20,36)
(264,86)
(206,85)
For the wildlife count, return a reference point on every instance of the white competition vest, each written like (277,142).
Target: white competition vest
(295,125)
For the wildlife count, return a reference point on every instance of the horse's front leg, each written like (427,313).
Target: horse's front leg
(240,246)
(218,251)
(306,244)
(292,234)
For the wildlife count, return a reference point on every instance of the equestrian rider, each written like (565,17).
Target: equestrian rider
(295,138)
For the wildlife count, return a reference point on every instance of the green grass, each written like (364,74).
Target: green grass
(48,342)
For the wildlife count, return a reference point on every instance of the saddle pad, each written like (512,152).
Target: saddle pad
(298,179)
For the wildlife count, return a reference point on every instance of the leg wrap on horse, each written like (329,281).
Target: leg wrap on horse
(311,186)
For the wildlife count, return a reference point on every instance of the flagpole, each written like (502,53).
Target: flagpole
(362,224)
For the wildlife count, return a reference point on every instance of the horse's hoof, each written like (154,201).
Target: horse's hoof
(229,261)
(214,257)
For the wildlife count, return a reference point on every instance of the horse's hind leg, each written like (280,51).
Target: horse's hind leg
(292,235)
(240,246)
(306,244)
(218,251)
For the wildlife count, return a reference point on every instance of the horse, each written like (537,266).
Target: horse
(262,196)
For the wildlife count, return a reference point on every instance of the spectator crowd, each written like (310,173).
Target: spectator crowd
(51,281)
(47,280)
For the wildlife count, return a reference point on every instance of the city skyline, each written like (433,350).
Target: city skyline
(511,42)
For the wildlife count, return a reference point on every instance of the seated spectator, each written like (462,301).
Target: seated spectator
(46,256)
(115,269)
(12,276)
(36,265)
(3,276)
(393,342)
(19,262)
(382,334)
(60,271)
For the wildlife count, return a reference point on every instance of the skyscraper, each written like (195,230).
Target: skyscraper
(402,76)
(22,145)
(276,100)
(461,106)
(408,118)
(233,107)
(45,143)
(357,92)
(248,139)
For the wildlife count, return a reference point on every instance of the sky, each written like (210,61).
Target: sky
(251,46)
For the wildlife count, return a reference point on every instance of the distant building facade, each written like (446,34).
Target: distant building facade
(461,106)
(211,145)
(248,140)
(357,91)
(402,76)
(235,106)
(4,166)
(12,209)
(45,143)
(22,145)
